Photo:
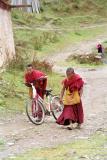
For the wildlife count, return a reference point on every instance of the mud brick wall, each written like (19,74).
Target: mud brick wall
(7,48)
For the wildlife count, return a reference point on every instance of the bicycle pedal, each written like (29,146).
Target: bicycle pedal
(47,113)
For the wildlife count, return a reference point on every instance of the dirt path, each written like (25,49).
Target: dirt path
(48,27)
(20,135)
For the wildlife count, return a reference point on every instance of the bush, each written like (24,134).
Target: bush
(42,65)
(44,38)
(7,89)
(92,58)
(21,60)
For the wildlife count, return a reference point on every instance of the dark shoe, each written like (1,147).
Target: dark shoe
(70,127)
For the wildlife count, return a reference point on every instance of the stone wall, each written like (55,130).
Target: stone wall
(7,49)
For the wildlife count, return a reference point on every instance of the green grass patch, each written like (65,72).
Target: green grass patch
(2,144)
(12,90)
(75,63)
(78,149)
(20,18)
(55,82)
(75,7)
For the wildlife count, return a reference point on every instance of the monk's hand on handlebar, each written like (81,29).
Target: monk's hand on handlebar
(39,79)
(42,78)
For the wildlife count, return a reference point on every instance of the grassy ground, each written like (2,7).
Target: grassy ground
(75,63)
(92,148)
(66,16)
(2,144)
(38,42)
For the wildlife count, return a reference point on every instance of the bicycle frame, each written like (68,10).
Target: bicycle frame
(48,103)
(36,97)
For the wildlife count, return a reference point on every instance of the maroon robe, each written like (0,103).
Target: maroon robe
(72,113)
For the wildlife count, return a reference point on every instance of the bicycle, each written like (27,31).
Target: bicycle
(37,108)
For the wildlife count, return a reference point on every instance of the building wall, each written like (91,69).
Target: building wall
(18,2)
(7,49)
(35,5)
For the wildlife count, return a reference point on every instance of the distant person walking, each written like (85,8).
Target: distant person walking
(100,49)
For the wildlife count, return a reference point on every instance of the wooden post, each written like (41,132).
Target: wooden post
(20,6)
(7,48)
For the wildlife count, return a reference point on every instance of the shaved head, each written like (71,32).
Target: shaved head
(69,72)
(29,68)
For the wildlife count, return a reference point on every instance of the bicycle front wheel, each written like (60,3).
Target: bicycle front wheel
(35,112)
(56,107)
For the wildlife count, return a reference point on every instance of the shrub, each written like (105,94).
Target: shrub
(44,38)
(92,58)
(42,65)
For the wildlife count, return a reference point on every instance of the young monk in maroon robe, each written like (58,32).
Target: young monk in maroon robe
(38,78)
(72,113)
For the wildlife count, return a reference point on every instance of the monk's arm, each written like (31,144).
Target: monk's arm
(62,93)
(81,92)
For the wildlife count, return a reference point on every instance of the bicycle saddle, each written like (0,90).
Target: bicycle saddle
(48,90)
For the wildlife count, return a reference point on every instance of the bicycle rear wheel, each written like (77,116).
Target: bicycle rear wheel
(35,112)
(56,107)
